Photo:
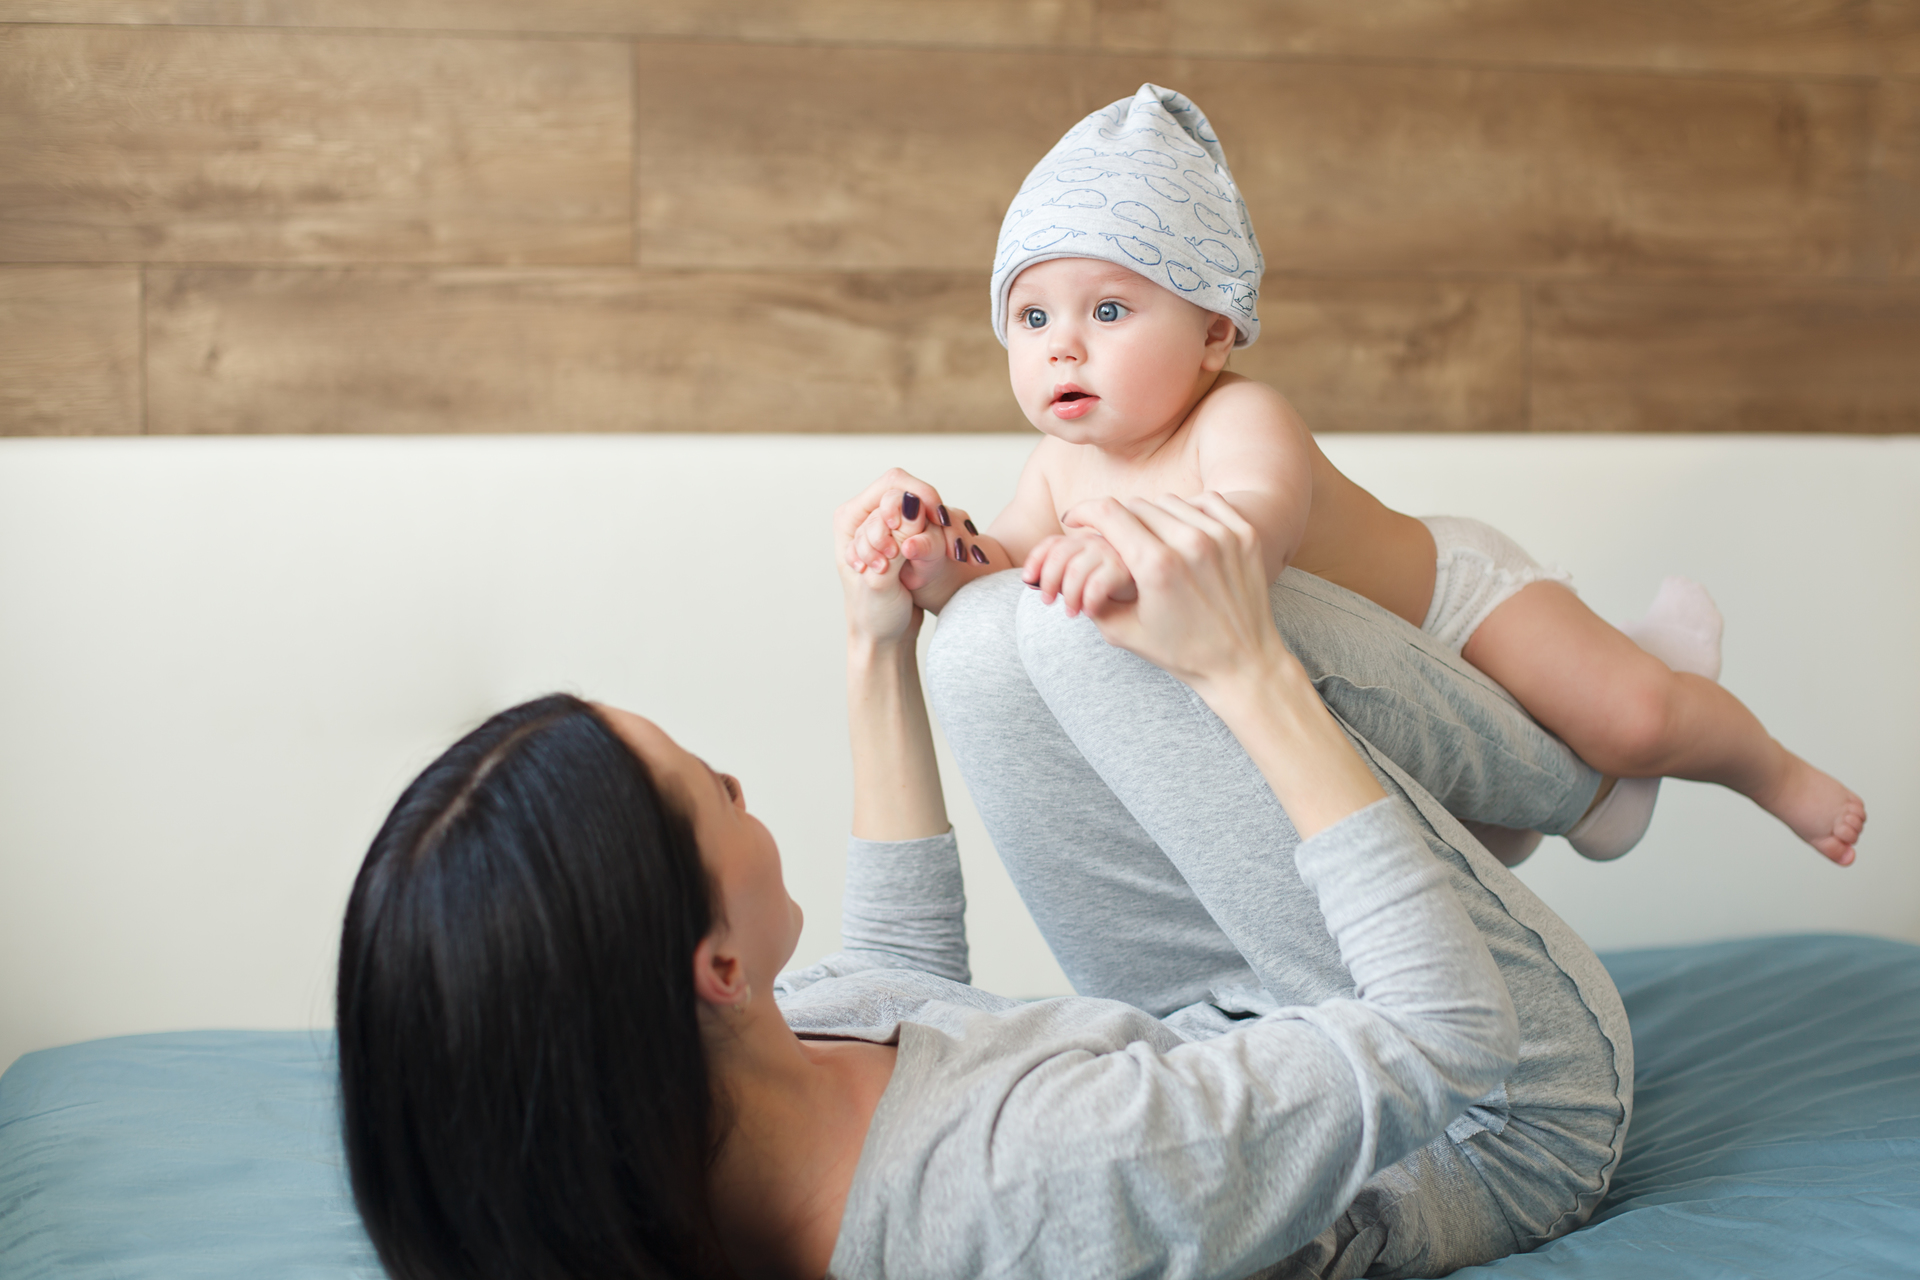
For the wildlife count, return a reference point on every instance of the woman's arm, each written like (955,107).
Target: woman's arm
(903,904)
(1203,616)
(1456,732)
(1241,1148)
(896,783)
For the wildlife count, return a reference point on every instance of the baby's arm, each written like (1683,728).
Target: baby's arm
(1254,450)
(1076,566)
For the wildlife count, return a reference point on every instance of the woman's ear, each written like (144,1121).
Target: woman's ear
(719,978)
(1220,337)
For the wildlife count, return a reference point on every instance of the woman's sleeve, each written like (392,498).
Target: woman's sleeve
(904,904)
(1237,1150)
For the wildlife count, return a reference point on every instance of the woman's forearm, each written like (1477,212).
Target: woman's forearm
(896,781)
(1301,750)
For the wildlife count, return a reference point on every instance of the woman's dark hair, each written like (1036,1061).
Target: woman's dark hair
(524,1088)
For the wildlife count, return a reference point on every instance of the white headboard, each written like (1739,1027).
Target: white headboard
(220,659)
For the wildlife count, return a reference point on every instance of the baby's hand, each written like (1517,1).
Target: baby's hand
(1083,570)
(901,515)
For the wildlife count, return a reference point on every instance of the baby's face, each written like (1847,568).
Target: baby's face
(1101,355)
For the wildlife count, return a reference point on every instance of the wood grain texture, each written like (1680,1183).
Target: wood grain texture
(1009,23)
(475,350)
(1897,177)
(495,349)
(1394,355)
(1619,356)
(1846,37)
(846,158)
(69,351)
(1421,169)
(866,159)
(167,145)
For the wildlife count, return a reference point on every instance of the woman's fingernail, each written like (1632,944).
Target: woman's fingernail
(1034,585)
(970,529)
(910,506)
(945,520)
(959,550)
(978,554)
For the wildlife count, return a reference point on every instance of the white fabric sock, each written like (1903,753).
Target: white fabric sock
(1682,628)
(1616,824)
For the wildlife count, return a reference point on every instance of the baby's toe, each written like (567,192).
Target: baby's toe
(1834,849)
(1852,821)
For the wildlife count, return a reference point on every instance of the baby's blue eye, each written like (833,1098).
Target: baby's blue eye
(1108,312)
(1033,318)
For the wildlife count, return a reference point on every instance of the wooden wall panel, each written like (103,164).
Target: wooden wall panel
(1792,36)
(1006,23)
(1618,356)
(846,158)
(172,145)
(791,159)
(69,351)
(1418,169)
(449,215)
(253,351)
(480,350)
(1394,355)
(1897,172)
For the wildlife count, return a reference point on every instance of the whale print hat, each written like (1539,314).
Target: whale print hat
(1141,183)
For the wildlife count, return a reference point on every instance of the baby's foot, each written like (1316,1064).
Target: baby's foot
(1819,809)
(1682,628)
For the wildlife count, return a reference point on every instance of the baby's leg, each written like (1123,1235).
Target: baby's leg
(1627,713)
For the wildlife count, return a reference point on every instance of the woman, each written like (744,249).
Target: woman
(560,1055)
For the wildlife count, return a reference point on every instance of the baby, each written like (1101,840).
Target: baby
(1126,275)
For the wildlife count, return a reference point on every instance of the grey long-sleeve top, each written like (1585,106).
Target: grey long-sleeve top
(1082,1137)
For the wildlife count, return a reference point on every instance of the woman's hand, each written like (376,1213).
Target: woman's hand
(938,548)
(880,610)
(1202,613)
(1204,616)
(896,781)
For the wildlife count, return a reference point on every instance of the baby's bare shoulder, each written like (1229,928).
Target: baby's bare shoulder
(1240,413)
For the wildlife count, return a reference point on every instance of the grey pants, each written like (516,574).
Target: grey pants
(1159,867)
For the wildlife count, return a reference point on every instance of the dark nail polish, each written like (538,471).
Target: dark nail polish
(1034,585)
(959,550)
(970,529)
(910,506)
(944,519)
(978,554)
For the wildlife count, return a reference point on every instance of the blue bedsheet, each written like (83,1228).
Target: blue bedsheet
(1776,1133)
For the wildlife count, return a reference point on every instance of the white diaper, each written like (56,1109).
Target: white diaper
(1477,569)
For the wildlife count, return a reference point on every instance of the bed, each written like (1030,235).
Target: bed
(1776,1133)
(221,658)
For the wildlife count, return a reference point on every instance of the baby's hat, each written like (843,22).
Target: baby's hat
(1141,183)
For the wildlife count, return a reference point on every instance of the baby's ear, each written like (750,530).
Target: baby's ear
(1221,335)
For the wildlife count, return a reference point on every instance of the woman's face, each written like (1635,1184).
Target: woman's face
(760,920)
